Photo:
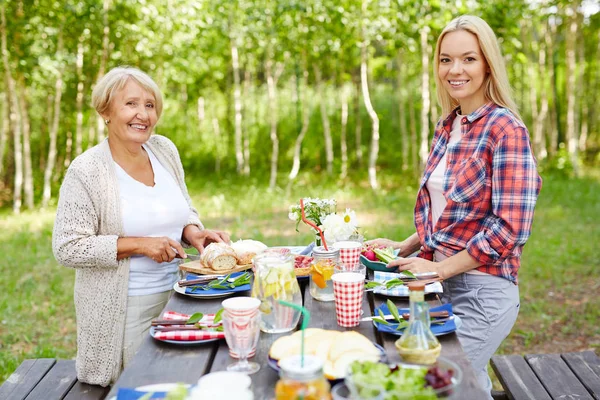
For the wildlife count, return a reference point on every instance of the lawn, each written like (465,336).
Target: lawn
(559,279)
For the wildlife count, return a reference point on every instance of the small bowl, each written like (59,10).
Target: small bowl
(424,357)
(378,265)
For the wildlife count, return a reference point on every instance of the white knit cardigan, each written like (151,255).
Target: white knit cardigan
(88,224)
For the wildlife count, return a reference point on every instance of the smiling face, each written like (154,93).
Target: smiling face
(132,114)
(463,69)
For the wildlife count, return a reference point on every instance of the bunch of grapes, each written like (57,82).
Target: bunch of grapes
(436,378)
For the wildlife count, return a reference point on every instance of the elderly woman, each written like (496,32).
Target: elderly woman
(123,214)
(476,200)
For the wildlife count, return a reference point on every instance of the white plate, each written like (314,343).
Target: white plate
(181,290)
(157,387)
(181,342)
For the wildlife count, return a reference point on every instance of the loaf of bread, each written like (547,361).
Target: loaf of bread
(247,249)
(219,257)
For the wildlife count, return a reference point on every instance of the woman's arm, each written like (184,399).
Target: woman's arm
(407,246)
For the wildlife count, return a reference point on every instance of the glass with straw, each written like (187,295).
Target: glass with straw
(301,376)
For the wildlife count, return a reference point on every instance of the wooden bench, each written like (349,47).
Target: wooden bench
(549,376)
(48,379)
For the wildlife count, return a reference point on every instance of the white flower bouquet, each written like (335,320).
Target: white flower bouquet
(322,212)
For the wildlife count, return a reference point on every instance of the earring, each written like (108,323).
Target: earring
(106,121)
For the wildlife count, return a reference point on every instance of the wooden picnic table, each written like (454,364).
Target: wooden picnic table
(158,362)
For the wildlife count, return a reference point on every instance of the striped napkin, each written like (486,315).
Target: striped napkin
(188,335)
(400,291)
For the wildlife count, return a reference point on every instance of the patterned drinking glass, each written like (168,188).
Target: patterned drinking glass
(241,333)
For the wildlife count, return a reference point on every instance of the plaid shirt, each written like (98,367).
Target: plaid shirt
(491,186)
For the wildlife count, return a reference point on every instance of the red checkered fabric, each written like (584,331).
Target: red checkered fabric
(188,335)
(348,298)
(350,257)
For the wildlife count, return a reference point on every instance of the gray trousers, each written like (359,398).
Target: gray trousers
(488,307)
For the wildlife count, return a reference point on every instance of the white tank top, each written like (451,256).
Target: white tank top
(156,211)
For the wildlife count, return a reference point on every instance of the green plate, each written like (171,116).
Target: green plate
(377,265)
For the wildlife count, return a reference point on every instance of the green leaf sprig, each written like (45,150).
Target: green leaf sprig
(223,283)
(394,311)
(392,283)
(195,319)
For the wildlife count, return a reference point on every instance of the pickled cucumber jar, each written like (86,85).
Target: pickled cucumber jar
(321,271)
(418,345)
(302,380)
(274,280)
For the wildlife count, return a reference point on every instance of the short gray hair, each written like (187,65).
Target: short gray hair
(115,80)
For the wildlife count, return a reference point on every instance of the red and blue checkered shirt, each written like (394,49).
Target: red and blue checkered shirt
(491,185)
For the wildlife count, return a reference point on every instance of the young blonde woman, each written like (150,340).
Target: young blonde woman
(123,215)
(476,199)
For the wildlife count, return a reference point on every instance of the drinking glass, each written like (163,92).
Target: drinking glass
(241,335)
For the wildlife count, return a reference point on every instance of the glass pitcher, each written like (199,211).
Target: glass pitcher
(274,280)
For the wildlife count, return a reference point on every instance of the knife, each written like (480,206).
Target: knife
(432,314)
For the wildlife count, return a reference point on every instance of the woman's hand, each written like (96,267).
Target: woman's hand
(161,249)
(416,265)
(202,238)
(383,242)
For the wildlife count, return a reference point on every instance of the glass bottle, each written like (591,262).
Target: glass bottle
(274,280)
(418,344)
(321,271)
(302,381)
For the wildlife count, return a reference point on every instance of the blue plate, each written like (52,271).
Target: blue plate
(378,265)
(437,329)
(200,292)
(274,364)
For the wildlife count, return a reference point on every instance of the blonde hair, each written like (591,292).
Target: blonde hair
(115,80)
(497,88)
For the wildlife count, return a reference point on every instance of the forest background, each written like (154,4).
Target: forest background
(270,100)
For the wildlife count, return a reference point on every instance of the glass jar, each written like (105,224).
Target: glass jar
(321,270)
(274,280)
(418,344)
(302,381)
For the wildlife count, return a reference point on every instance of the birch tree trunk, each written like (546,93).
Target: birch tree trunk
(583,99)
(570,72)
(424,142)
(28,171)
(343,128)
(374,151)
(237,100)
(357,122)
(15,117)
(4,127)
(102,70)
(246,132)
(79,98)
(401,82)
(217,130)
(306,110)
(272,94)
(47,192)
(68,151)
(325,121)
(433,104)
(539,139)
(553,121)
(414,156)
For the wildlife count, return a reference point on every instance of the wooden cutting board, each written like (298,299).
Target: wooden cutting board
(196,267)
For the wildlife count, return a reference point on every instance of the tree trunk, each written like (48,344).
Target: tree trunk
(200,111)
(570,72)
(554,123)
(325,120)
(357,121)
(217,129)
(306,109)
(433,108)
(15,117)
(246,133)
(272,94)
(412,113)
(79,98)
(103,61)
(53,131)
(237,100)
(28,170)
(424,142)
(584,98)
(374,151)
(402,123)
(343,128)
(4,127)
(539,139)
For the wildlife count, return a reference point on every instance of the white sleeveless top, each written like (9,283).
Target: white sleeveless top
(155,211)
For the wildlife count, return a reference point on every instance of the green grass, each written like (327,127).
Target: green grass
(559,279)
